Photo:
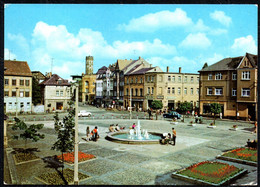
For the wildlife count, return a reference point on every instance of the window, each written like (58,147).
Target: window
(21,82)
(27,82)
(185,79)
(179,78)
(141,80)
(234,91)
(198,79)
(179,90)
(209,91)
(14,82)
(136,79)
(210,76)
(152,77)
(246,75)
(152,90)
(173,90)
(27,94)
(218,76)
(132,80)
(6,81)
(191,91)
(148,79)
(148,91)
(234,76)
(132,91)
(246,63)
(127,81)
(169,90)
(245,92)
(21,93)
(86,83)
(61,93)
(28,106)
(127,91)
(173,78)
(218,91)
(136,92)
(185,91)
(93,90)
(169,78)
(114,93)
(10,106)
(57,93)
(160,91)
(86,90)
(198,91)
(6,93)
(141,92)
(13,93)
(191,79)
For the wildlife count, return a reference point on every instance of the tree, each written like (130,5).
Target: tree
(215,108)
(156,105)
(184,107)
(30,132)
(36,92)
(65,131)
(205,65)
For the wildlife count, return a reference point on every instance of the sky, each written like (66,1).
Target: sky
(171,35)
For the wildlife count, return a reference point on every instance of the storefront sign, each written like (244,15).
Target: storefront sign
(160,97)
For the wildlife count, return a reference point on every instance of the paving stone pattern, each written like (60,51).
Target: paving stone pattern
(123,164)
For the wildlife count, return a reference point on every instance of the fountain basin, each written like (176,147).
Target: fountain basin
(122,137)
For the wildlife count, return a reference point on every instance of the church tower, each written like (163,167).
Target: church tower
(89,65)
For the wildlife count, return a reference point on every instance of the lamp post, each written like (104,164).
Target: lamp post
(76,146)
(17,94)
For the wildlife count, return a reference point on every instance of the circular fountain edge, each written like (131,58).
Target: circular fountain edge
(110,137)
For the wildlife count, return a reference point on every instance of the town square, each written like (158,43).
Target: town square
(166,96)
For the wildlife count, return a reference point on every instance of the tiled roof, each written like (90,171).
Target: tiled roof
(231,63)
(101,70)
(123,63)
(140,71)
(53,81)
(17,68)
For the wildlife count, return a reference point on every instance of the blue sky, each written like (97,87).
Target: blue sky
(184,36)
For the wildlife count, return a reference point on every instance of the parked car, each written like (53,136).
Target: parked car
(84,113)
(172,114)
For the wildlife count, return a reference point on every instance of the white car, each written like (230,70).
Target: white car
(84,113)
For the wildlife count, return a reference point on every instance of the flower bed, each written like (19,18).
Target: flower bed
(243,153)
(54,178)
(69,157)
(24,157)
(211,172)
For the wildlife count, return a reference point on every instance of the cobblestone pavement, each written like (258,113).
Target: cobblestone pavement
(147,164)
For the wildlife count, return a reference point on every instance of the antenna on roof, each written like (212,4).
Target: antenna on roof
(9,53)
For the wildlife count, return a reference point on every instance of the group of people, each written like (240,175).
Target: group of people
(113,128)
(169,138)
(93,135)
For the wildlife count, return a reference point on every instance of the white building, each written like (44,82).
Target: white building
(56,93)
(17,87)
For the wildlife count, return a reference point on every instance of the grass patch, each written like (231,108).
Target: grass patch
(24,157)
(213,172)
(55,178)
(247,154)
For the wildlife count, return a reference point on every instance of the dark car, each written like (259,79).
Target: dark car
(172,115)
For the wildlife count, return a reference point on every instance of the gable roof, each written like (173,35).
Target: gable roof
(123,63)
(231,63)
(17,68)
(101,70)
(53,81)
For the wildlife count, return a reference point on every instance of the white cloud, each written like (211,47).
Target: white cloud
(155,21)
(200,26)
(221,17)
(244,44)
(8,55)
(21,41)
(217,31)
(57,42)
(215,58)
(198,40)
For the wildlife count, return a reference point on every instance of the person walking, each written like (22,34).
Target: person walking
(173,136)
(87,133)
(149,112)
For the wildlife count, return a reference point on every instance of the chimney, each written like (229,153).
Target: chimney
(139,58)
(167,69)
(179,69)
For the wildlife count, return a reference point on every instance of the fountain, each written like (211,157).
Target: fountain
(135,136)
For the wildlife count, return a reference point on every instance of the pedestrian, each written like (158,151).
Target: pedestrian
(87,133)
(133,126)
(117,128)
(150,113)
(220,115)
(95,134)
(192,113)
(173,136)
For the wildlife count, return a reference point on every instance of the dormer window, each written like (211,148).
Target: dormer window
(59,81)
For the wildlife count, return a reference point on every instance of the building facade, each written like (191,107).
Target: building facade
(56,93)
(171,88)
(17,87)
(231,82)
(101,73)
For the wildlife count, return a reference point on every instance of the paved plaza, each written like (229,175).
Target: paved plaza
(145,164)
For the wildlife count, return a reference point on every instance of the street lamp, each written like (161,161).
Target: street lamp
(76,146)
